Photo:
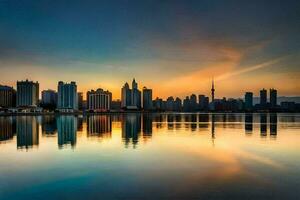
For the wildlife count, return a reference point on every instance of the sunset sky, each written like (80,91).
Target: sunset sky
(173,47)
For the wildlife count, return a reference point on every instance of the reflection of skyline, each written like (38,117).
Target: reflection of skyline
(248,123)
(131,128)
(27,132)
(7,128)
(66,129)
(99,125)
(49,125)
(263,125)
(135,125)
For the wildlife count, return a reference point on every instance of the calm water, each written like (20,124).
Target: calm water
(150,156)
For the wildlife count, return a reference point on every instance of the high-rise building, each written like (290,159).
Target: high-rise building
(193,103)
(7,96)
(125,96)
(273,98)
(27,93)
(67,96)
(99,100)
(177,104)
(248,101)
(170,104)
(49,97)
(135,96)
(263,98)
(131,98)
(203,102)
(80,100)
(147,99)
(186,104)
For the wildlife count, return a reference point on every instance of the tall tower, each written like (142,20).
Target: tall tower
(212,91)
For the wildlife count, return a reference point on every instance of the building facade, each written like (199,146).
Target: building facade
(99,100)
(7,97)
(248,101)
(131,98)
(67,99)
(147,99)
(273,98)
(263,98)
(27,94)
(49,97)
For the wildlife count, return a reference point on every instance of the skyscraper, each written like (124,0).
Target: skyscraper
(135,95)
(27,93)
(203,102)
(7,96)
(212,104)
(67,96)
(131,98)
(193,103)
(49,97)
(125,96)
(263,98)
(170,104)
(99,100)
(248,101)
(147,99)
(80,100)
(273,98)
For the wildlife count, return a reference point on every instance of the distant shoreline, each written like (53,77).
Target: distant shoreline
(128,112)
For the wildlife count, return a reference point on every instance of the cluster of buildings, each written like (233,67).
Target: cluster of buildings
(68,99)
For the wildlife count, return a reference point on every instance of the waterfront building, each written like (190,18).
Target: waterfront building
(147,99)
(273,98)
(49,97)
(27,93)
(99,100)
(248,101)
(263,99)
(193,103)
(80,100)
(7,97)
(203,102)
(125,96)
(186,104)
(67,97)
(177,104)
(131,98)
(170,104)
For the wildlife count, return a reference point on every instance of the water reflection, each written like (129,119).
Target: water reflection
(7,128)
(99,126)
(135,125)
(49,127)
(263,125)
(27,132)
(248,123)
(131,129)
(66,130)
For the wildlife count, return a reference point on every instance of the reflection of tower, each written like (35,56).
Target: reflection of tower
(99,125)
(249,123)
(131,128)
(66,129)
(27,132)
(147,125)
(273,125)
(213,137)
(263,124)
(7,128)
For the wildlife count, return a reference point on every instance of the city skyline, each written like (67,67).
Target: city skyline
(175,50)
